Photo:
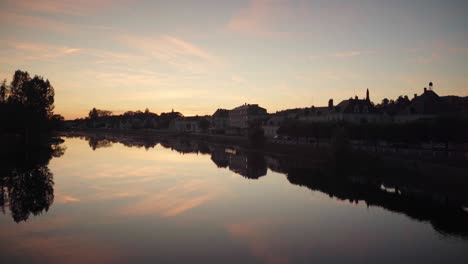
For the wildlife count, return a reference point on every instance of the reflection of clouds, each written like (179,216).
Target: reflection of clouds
(261,239)
(173,200)
(63,198)
(77,248)
(51,238)
(157,182)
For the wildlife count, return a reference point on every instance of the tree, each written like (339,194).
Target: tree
(34,94)
(17,86)
(93,114)
(27,105)
(3,92)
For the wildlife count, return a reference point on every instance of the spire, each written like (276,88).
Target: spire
(367,95)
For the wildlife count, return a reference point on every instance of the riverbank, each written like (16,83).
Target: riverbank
(235,142)
(295,147)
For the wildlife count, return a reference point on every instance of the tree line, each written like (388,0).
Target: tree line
(98,118)
(27,106)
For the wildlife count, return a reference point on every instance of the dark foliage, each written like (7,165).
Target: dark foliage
(26,106)
(26,183)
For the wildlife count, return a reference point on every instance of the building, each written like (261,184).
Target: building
(219,121)
(271,125)
(244,116)
(353,110)
(430,105)
(191,124)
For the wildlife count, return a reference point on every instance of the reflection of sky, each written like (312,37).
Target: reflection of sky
(128,204)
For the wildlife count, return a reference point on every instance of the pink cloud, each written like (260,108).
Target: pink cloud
(36,22)
(266,18)
(65,7)
(17,52)
(174,51)
(348,54)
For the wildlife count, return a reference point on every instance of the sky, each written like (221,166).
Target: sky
(197,56)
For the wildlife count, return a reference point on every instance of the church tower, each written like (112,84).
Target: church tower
(367,95)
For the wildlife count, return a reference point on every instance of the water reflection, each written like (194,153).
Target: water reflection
(413,190)
(26,183)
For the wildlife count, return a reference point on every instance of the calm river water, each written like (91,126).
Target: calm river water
(99,201)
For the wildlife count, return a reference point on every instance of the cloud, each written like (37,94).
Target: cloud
(348,54)
(174,51)
(267,18)
(64,7)
(16,52)
(36,22)
(341,54)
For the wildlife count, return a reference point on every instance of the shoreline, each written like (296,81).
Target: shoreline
(392,151)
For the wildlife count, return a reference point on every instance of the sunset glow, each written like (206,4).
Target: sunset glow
(197,56)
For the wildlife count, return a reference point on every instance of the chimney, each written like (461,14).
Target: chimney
(330,104)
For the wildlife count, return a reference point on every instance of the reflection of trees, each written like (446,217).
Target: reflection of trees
(105,141)
(96,143)
(26,183)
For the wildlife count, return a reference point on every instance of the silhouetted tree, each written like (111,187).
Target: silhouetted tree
(3,92)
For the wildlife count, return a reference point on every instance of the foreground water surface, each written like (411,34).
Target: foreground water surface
(186,202)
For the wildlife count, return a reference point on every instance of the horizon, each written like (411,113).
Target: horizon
(197,57)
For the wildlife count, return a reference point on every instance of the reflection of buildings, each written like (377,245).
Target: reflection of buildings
(442,210)
(220,157)
(251,165)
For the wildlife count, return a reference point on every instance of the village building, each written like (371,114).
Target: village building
(246,115)
(219,121)
(191,124)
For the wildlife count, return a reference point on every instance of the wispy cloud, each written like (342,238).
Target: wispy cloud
(342,54)
(266,18)
(36,22)
(354,53)
(64,7)
(173,51)
(17,52)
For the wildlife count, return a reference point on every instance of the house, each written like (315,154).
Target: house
(190,124)
(271,125)
(428,105)
(219,121)
(353,110)
(244,116)
(319,114)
